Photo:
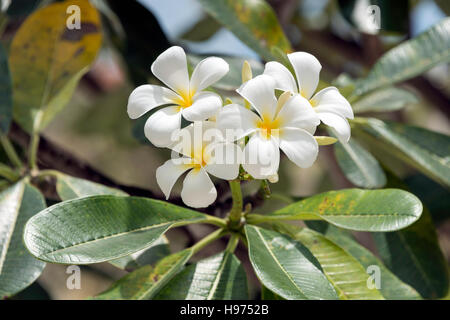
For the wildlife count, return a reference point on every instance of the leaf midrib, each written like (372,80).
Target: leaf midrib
(277,262)
(13,226)
(360,165)
(146,228)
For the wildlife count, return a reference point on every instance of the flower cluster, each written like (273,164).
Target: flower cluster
(221,137)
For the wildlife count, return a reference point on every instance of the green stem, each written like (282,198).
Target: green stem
(32,161)
(8,173)
(207,240)
(34,144)
(48,173)
(10,151)
(232,243)
(236,210)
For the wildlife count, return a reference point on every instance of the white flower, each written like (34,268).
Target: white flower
(204,152)
(286,125)
(331,107)
(186,97)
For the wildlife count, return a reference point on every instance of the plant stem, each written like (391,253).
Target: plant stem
(34,144)
(48,173)
(10,151)
(232,243)
(8,173)
(207,240)
(32,154)
(236,210)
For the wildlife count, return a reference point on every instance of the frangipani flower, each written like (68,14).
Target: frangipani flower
(331,107)
(185,96)
(286,124)
(204,151)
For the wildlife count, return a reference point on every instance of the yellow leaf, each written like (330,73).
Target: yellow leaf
(46,55)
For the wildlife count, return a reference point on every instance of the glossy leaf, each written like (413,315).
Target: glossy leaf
(220,277)
(145,282)
(414,255)
(252,21)
(18,269)
(158,250)
(410,58)
(358,165)
(47,59)
(391,287)
(286,267)
(204,29)
(356,209)
(266,294)
(427,151)
(347,275)
(101,228)
(5,92)
(69,188)
(384,100)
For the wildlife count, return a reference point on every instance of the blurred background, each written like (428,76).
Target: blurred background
(95,139)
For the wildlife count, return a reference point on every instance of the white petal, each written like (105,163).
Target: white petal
(207,72)
(171,68)
(146,97)
(224,160)
(236,121)
(307,69)
(205,105)
(194,138)
(298,113)
(160,126)
(168,174)
(331,100)
(338,123)
(283,77)
(198,190)
(299,146)
(262,157)
(260,92)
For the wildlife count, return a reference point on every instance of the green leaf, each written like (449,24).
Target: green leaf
(392,288)
(356,209)
(285,266)
(69,188)
(233,79)
(266,294)
(409,59)
(5,92)
(220,277)
(414,255)
(384,100)
(427,151)
(358,165)
(346,274)
(47,59)
(101,228)
(18,269)
(158,250)
(204,29)
(145,282)
(252,21)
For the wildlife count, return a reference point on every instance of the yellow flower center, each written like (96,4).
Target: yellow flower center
(268,126)
(199,157)
(185,99)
